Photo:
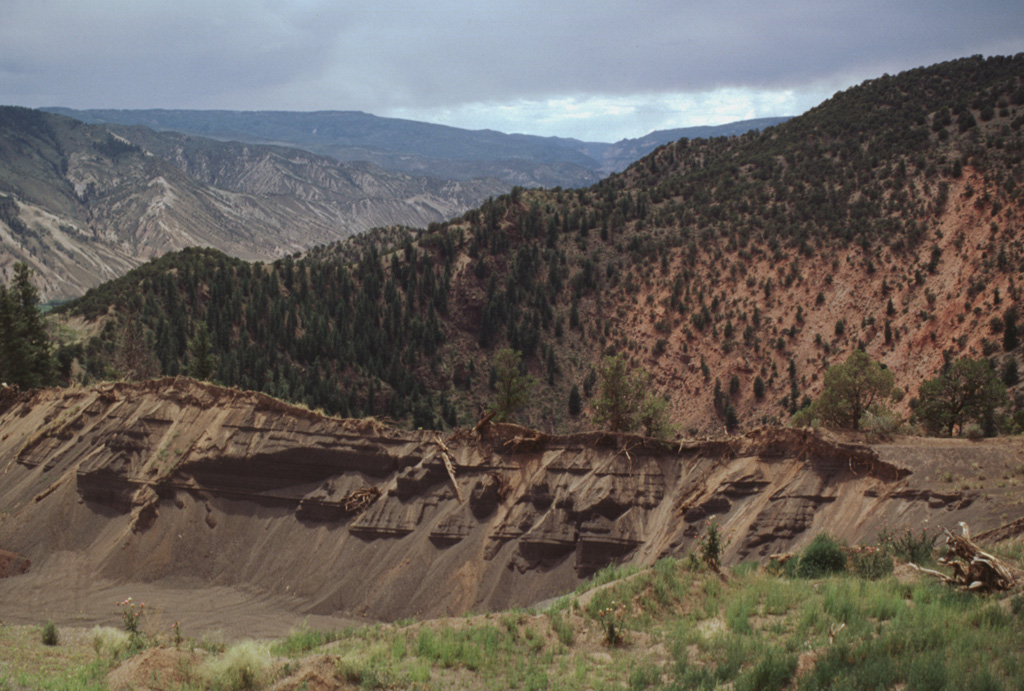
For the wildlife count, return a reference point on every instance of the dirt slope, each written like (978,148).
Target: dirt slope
(228,509)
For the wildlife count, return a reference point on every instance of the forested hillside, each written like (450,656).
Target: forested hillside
(733,270)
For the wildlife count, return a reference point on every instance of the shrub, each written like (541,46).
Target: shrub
(907,545)
(49,634)
(870,562)
(880,421)
(822,557)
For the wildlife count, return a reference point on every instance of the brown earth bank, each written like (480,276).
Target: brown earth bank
(230,510)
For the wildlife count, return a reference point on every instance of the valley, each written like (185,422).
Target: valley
(275,407)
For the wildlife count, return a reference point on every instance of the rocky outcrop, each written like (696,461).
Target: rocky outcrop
(174,479)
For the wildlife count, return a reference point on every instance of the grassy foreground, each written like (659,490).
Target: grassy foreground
(676,625)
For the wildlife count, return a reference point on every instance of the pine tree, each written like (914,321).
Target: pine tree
(1011,339)
(622,392)
(575,402)
(201,360)
(26,359)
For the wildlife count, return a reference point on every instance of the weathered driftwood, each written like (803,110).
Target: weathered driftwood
(449,465)
(973,568)
(356,501)
(485,420)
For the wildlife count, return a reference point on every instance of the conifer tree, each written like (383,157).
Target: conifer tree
(26,359)
(201,360)
(620,396)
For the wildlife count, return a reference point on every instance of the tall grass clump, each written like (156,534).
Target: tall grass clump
(109,642)
(612,572)
(772,672)
(302,640)
(562,627)
(244,665)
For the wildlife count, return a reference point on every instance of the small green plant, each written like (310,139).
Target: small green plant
(562,627)
(49,634)
(822,557)
(130,616)
(611,618)
(176,634)
(645,675)
(212,642)
(711,545)
(1017,605)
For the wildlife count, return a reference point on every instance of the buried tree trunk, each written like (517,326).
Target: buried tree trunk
(976,569)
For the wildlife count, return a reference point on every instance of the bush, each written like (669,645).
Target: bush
(880,421)
(907,545)
(870,562)
(822,557)
(49,634)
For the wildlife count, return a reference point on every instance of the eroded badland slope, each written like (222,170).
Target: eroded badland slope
(232,510)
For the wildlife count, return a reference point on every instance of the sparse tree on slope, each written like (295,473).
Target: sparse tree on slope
(512,386)
(851,388)
(620,396)
(967,390)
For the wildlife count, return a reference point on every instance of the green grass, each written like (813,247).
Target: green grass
(303,640)
(27,663)
(677,626)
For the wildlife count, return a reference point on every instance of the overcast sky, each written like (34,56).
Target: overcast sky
(593,69)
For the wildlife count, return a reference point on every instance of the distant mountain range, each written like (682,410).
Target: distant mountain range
(419,148)
(82,204)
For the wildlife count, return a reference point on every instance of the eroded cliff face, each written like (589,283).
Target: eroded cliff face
(185,484)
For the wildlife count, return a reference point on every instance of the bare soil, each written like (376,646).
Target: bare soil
(227,511)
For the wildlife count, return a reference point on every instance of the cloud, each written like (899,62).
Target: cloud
(515,62)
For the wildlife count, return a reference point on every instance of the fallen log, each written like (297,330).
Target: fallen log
(449,465)
(973,568)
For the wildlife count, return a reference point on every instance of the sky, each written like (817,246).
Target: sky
(597,70)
